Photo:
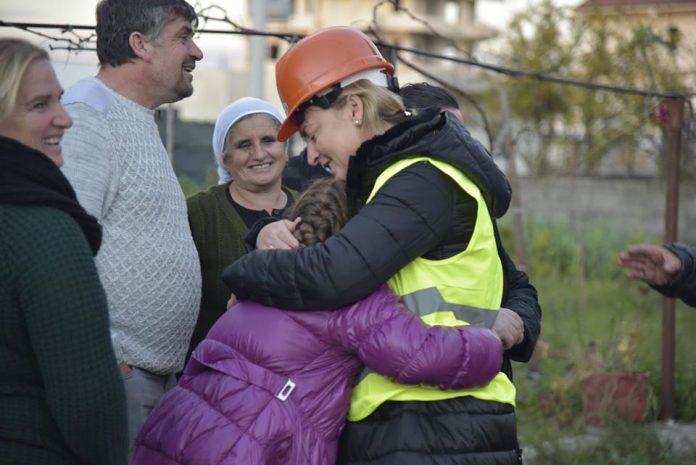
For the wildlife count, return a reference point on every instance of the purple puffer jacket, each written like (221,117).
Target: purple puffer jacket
(271,386)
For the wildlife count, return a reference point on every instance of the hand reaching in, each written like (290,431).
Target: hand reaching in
(653,264)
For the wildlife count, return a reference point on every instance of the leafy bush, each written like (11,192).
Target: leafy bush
(593,320)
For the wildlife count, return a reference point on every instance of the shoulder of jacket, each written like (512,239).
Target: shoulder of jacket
(206,205)
(91,93)
(28,223)
(204,198)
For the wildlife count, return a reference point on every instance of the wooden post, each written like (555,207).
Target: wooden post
(674,123)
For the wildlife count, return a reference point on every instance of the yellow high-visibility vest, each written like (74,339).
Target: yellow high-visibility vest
(466,288)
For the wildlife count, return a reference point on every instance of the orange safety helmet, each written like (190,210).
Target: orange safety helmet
(320,61)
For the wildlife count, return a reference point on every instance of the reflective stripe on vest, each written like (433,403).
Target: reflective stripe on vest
(430,301)
(466,288)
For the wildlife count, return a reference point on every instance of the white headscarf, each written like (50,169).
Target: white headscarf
(234,112)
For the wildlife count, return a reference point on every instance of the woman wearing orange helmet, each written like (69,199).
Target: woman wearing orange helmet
(423,195)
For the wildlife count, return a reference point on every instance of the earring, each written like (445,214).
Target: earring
(357,122)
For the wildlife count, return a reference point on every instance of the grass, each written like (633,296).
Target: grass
(595,320)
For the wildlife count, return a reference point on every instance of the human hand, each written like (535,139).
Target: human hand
(278,235)
(232,301)
(509,327)
(653,264)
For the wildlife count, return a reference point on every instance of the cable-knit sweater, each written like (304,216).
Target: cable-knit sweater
(115,160)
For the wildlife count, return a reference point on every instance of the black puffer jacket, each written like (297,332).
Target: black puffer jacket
(343,274)
(418,212)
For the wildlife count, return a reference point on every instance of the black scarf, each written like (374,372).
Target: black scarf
(28,177)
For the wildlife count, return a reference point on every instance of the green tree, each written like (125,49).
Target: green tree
(535,40)
(578,129)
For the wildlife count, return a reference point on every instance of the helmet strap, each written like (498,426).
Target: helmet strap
(324,101)
(327,98)
(393,83)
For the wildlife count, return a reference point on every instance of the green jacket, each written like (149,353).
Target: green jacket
(218,232)
(61,396)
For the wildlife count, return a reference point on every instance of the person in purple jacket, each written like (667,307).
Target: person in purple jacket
(271,386)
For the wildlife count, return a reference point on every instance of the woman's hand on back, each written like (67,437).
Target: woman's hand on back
(278,235)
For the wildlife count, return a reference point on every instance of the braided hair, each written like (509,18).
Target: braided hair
(323,210)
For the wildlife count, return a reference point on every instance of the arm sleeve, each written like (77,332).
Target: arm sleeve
(521,297)
(409,215)
(89,164)
(682,286)
(68,325)
(396,343)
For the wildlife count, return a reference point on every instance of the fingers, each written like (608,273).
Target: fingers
(285,240)
(652,264)
(509,327)
(278,235)
(644,256)
(646,250)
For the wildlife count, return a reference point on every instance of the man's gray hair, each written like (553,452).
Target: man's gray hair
(118,19)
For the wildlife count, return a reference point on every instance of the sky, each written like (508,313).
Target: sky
(70,66)
(498,13)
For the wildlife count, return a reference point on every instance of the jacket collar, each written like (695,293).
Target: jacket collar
(434,134)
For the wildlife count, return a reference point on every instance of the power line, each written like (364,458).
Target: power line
(81,27)
(512,72)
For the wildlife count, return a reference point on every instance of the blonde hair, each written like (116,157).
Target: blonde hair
(381,107)
(15,57)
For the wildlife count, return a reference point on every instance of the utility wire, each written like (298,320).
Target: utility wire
(512,72)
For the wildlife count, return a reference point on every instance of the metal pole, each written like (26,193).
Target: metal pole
(258,49)
(673,128)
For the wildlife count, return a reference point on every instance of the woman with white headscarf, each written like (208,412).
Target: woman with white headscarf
(250,162)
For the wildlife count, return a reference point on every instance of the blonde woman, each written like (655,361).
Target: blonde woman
(422,196)
(61,396)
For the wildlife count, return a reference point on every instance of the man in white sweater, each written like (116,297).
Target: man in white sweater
(115,159)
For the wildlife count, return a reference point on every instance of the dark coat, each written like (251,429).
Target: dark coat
(299,174)
(418,212)
(62,400)
(335,290)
